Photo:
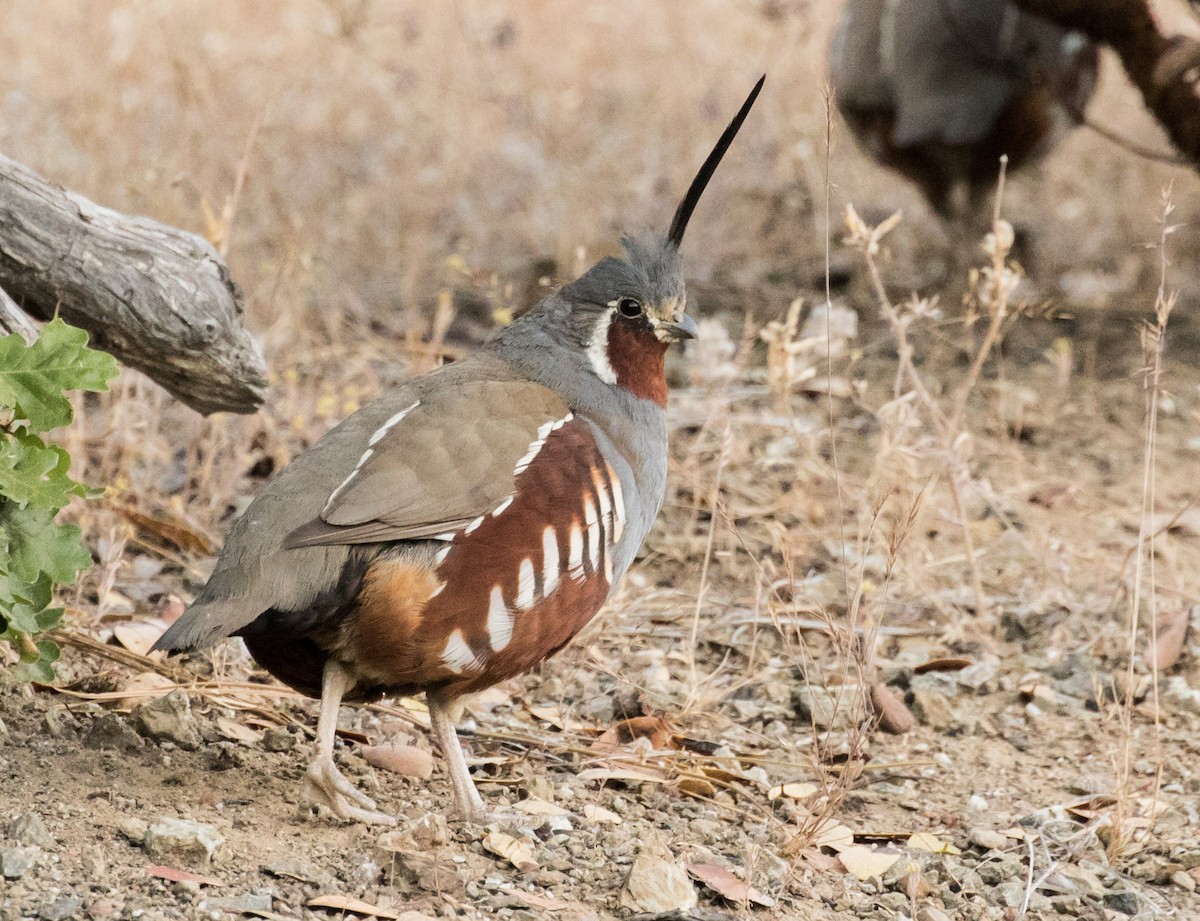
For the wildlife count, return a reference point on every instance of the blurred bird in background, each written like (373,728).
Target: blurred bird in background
(939,90)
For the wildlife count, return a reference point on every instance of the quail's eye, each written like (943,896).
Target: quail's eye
(628,307)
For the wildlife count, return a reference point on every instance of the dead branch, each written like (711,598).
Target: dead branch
(159,299)
(1166,69)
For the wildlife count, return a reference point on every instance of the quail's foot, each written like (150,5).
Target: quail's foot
(328,787)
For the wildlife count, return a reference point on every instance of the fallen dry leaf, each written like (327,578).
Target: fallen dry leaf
(535,806)
(594,813)
(516,852)
(1172,633)
(545,903)
(181,876)
(825,863)
(654,728)
(724,883)
(173,529)
(559,719)
(405,760)
(694,785)
(236,732)
(798,790)
(638,773)
(352,905)
(139,635)
(923,841)
(144,686)
(894,715)
(834,835)
(945,664)
(867,862)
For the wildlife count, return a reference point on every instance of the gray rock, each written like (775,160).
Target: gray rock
(988,839)
(110,731)
(182,839)
(1127,902)
(169,719)
(277,739)
(1011,893)
(30,829)
(657,885)
(61,909)
(15,862)
(294,868)
(238,904)
(134,829)
(934,703)
(827,708)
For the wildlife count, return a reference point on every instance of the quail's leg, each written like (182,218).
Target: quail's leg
(466,797)
(324,783)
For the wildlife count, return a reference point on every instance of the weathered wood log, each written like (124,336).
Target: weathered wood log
(12,320)
(1166,69)
(157,298)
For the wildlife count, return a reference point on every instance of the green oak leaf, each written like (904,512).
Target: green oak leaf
(33,377)
(37,544)
(34,473)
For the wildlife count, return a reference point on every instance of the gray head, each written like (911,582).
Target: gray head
(624,312)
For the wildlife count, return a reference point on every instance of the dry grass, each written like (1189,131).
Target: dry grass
(840,512)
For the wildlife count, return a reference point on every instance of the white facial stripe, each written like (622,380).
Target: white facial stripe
(539,441)
(526,585)
(597,349)
(551,564)
(387,426)
(499,509)
(458,656)
(499,620)
(367,454)
(575,552)
(618,500)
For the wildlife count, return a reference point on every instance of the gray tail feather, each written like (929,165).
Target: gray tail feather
(203,624)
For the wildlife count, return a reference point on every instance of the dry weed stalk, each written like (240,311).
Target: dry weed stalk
(914,408)
(1126,832)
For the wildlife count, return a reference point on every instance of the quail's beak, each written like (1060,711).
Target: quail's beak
(679,328)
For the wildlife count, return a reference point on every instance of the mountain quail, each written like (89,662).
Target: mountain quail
(938,90)
(467,525)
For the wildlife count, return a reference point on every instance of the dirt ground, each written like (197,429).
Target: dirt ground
(845,548)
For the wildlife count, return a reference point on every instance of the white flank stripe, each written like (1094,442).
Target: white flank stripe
(526,585)
(594,532)
(474,524)
(437,591)
(499,509)
(445,535)
(597,349)
(602,494)
(575,552)
(608,566)
(618,499)
(440,557)
(457,656)
(346,482)
(539,441)
(499,620)
(550,561)
(366,455)
(390,424)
